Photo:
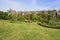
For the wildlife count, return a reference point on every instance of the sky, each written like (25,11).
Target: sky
(29,5)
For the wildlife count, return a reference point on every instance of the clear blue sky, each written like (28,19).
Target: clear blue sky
(29,4)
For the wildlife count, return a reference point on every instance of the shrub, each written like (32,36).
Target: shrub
(14,17)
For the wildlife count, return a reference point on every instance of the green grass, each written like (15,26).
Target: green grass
(26,31)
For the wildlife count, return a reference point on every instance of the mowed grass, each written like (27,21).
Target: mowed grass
(26,31)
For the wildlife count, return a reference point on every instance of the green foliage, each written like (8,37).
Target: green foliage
(9,16)
(27,16)
(21,17)
(34,17)
(40,16)
(3,15)
(14,17)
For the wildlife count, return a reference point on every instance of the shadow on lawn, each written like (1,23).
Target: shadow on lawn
(49,26)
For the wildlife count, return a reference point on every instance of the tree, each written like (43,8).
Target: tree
(3,15)
(14,17)
(27,16)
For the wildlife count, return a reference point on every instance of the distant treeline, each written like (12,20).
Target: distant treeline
(42,16)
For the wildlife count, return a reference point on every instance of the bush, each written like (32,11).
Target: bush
(14,17)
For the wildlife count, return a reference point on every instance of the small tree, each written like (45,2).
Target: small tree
(3,15)
(14,17)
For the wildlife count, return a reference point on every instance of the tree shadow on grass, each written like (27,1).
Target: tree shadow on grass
(48,26)
(52,27)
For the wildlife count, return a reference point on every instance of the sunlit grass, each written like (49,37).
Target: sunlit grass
(26,31)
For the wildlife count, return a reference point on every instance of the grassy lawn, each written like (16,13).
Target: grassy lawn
(26,31)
